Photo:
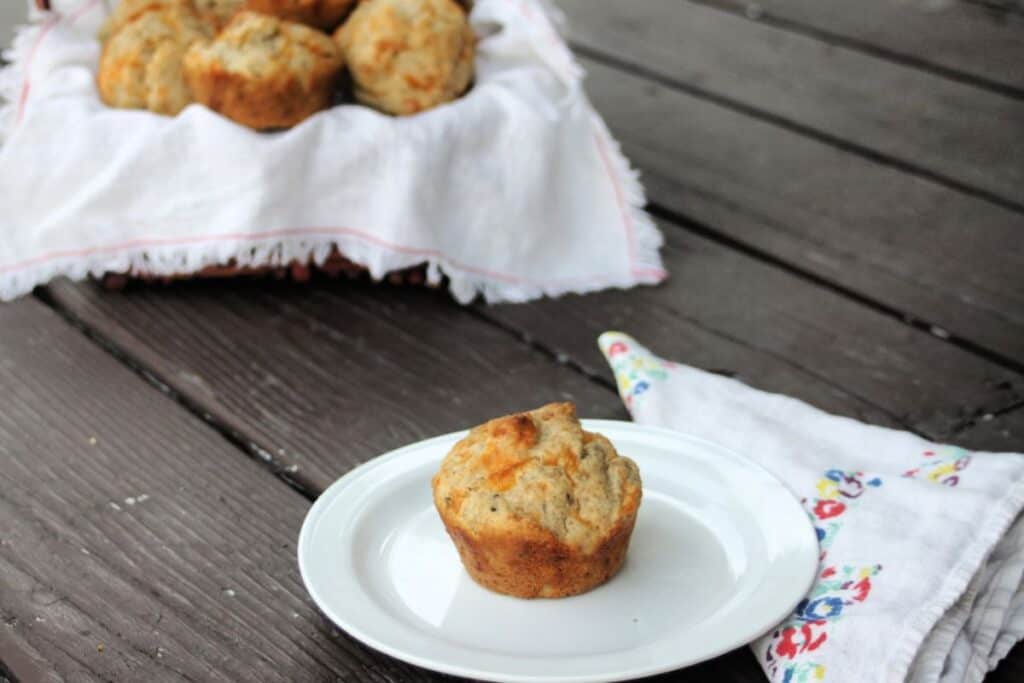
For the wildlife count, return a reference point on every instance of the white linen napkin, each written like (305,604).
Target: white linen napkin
(922,551)
(514,191)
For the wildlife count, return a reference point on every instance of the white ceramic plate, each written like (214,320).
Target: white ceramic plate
(720,554)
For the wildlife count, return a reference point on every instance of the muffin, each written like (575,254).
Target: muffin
(322,14)
(140,67)
(264,72)
(408,55)
(536,506)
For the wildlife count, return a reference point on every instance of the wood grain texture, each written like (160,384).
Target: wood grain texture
(960,38)
(724,310)
(1000,433)
(319,378)
(967,136)
(954,261)
(136,543)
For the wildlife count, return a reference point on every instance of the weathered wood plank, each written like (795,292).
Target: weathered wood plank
(958,38)
(319,378)
(954,261)
(722,309)
(1000,433)
(136,543)
(965,136)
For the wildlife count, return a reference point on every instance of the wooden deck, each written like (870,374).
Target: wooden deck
(841,188)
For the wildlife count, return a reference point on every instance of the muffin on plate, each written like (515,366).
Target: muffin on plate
(264,72)
(140,67)
(536,506)
(406,56)
(322,14)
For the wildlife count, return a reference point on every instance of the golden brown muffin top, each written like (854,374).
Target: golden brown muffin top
(141,63)
(257,45)
(538,469)
(126,11)
(408,55)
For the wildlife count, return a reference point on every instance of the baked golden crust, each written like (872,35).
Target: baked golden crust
(140,67)
(126,11)
(264,72)
(536,506)
(406,56)
(322,14)
(217,13)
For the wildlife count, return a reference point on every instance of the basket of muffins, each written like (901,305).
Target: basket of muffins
(271,64)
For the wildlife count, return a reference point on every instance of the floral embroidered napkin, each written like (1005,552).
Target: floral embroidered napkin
(922,555)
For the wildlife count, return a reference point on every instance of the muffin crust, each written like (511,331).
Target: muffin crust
(406,56)
(140,67)
(264,72)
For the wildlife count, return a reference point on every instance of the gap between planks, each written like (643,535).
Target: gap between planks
(238,433)
(1000,6)
(681,221)
(764,14)
(230,433)
(656,76)
(924,316)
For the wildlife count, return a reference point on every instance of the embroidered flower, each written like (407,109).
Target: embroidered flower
(861,589)
(617,348)
(821,609)
(797,640)
(828,508)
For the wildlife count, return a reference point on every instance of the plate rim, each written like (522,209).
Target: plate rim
(331,492)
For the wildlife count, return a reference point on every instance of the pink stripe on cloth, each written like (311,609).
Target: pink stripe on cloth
(287,232)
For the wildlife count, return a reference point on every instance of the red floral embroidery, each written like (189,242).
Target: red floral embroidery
(617,348)
(861,589)
(828,508)
(797,640)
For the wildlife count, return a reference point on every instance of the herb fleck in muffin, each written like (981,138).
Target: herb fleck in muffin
(536,506)
(140,67)
(408,55)
(264,72)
